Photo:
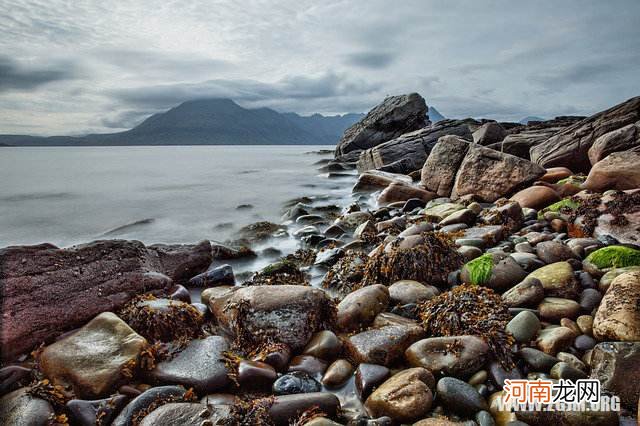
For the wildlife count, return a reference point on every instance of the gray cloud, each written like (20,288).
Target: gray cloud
(17,76)
(372,60)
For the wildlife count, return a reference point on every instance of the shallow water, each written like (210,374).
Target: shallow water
(174,194)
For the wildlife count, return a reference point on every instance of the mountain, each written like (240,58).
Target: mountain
(211,122)
(434,115)
(526,120)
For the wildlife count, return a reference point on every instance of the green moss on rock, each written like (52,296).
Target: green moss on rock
(480,269)
(614,257)
(563,206)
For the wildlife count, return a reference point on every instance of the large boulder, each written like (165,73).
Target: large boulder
(439,171)
(374,180)
(488,133)
(393,117)
(287,314)
(490,174)
(48,290)
(618,316)
(408,152)
(622,139)
(617,171)
(570,147)
(402,192)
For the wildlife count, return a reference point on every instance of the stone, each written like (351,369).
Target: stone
(505,273)
(554,174)
(384,319)
(585,323)
(569,147)
(557,279)
(498,373)
(199,366)
(465,216)
(308,364)
(552,340)
(440,211)
(285,408)
(405,397)
(490,174)
(220,275)
(56,290)
(617,366)
(393,117)
(287,314)
(189,414)
(623,139)
(359,308)
(540,361)
(618,316)
(403,192)
(562,370)
(528,293)
(93,359)
(439,170)
(557,308)
(536,197)
(13,377)
(21,409)
(488,133)
(351,221)
(147,399)
(589,299)
(295,382)
(554,251)
(407,291)
(524,326)
(86,413)
(365,230)
(458,356)
(337,373)
(324,344)
(584,343)
(460,397)
(382,345)
(374,180)
(617,171)
(368,377)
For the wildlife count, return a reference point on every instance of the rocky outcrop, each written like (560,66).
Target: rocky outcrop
(623,139)
(439,171)
(48,290)
(570,147)
(396,115)
(408,152)
(617,171)
(490,174)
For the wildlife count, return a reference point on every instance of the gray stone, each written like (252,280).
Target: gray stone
(18,408)
(524,326)
(460,397)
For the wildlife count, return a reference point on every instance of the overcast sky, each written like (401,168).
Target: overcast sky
(72,67)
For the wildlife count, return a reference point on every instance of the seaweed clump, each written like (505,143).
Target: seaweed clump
(163,319)
(431,261)
(615,257)
(283,272)
(480,269)
(473,310)
(347,274)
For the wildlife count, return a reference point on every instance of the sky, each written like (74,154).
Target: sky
(94,66)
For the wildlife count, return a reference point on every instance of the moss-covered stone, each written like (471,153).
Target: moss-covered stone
(614,257)
(480,269)
(566,205)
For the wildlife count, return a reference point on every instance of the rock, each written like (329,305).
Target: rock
(93,359)
(617,366)
(56,290)
(569,147)
(337,373)
(498,373)
(324,344)
(360,307)
(525,294)
(393,117)
(539,360)
(286,408)
(562,370)
(488,133)
(465,216)
(21,409)
(308,364)
(329,257)
(382,345)
(618,316)
(490,174)
(583,343)
(554,251)
(488,235)
(458,356)
(554,174)
(617,171)
(460,397)
(405,397)
(557,279)
(365,230)
(189,414)
(351,221)
(536,197)
(623,139)
(283,313)
(260,231)
(374,180)
(403,192)
(585,323)
(524,326)
(387,318)
(441,211)
(295,382)
(589,299)
(556,308)
(439,170)
(86,413)
(199,366)
(492,272)
(220,275)
(180,262)
(470,252)
(407,291)
(408,153)
(146,400)
(552,340)
(368,377)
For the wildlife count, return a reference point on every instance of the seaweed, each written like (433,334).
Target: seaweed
(347,274)
(480,269)
(307,415)
(565,206)
(283,272)
(615,257)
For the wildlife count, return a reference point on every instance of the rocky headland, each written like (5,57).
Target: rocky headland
(471,252)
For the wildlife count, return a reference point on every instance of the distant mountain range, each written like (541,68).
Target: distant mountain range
(434,115)
(526,120)
(211,122)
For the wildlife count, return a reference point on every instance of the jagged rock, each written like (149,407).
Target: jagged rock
(393,117)
(373,180)
(439,171)
(622,139)
(47,290)
(408,152)
(569,148)
(618,316)
(617,171)
(490,174)
(489,133)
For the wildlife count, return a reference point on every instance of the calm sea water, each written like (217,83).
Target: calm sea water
(176,194)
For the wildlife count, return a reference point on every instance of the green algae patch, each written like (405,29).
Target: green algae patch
(572,180)
(480,269)
(563,206)
(615,257)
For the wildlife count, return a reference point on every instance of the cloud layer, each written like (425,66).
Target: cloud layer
(68,68)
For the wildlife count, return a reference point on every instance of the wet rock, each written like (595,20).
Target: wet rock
(527,293)
(458,356)
(328,257)
(556,308)
(308,364)
(255,374)
(589,299)
(360,307)
(585,323)
(182,261)
(405,397)
(365,230)
(460,397)
(539,360)
(368,377)
(403,192)
(93,359)
(412,204)
(12,377)
(180,293)
(288,407)
(351,221)
(86,413)
(260,231)
(498,373)
(536,197)
(407,291)
(417,229)
(617,366)
(384,319)
(19,408)
(189,414)
(616,171)
(220,275)
(485,235)
(557,279)
(373,180)
(554,251)
(618,316)
(552,340)
(296,382)
(382,345)
(148,399)
(464,216)
(524,326)
(324,344)
(277,357)
(287,314)
(562,370)
(439,170)
(493,272)
(337,373)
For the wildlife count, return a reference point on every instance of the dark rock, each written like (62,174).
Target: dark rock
(308,364)
(286,408)
(527,293)
(182,261)
(562,370)
(179,292)
(554,251)
(458,356)
(324,344)
(148,398)
(617,366)
(220,275)
(524,326)
(337,373)
(296,382)
(12,377)
(498,373)
(460,397)
(382,345)
(539,360)
(255,374)
(86,413)
(189,414)
(368,377)
(278,357)
(20,408)
(584,342)
(359,308)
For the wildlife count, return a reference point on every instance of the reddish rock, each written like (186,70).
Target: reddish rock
(617,171)
(439,171)
(536,197)
(554,174)
(402,192)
